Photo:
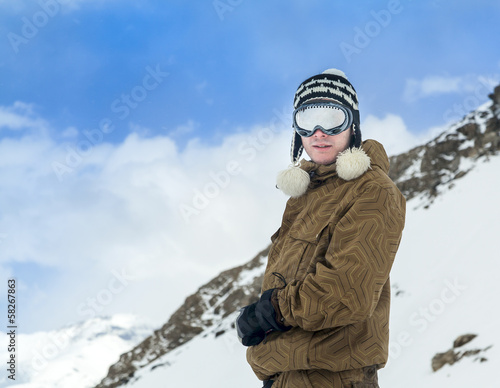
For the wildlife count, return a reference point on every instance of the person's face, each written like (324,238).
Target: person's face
(323,148)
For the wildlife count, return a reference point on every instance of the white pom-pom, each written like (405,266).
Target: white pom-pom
(335,72)
(293,181)
(352,163)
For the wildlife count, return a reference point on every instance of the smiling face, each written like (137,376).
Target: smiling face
(323,148)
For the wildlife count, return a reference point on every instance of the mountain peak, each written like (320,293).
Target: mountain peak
(428,170)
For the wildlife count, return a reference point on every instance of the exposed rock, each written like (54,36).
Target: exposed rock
(463,339)
(495,96)
(397,291)
(427,170)
(451,356)
(441,359)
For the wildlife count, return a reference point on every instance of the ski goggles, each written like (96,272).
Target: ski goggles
(329,117)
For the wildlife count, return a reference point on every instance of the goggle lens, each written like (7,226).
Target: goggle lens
(330,118)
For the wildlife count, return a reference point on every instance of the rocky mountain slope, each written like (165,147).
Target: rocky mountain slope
(429,169)
(423,173)
(205,309)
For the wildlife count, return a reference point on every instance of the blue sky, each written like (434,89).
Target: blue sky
(228,66)
(117,116)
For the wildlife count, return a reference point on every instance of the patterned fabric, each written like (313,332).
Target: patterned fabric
(335,248)
(358,378)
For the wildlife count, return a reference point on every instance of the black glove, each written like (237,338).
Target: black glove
(248,327)
(268,384)
(257,320)
(266,314)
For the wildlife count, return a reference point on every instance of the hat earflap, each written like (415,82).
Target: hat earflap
(294,181)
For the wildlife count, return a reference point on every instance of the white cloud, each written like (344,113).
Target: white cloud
(70,133)
(169,219)
(416,89)
(20,116)
(393,133)
(183,129)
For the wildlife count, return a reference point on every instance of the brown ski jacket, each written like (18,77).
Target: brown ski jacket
(335,249)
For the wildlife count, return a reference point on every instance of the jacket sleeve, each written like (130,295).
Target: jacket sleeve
(346,286)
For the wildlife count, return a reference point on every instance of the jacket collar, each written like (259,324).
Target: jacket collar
(350,164)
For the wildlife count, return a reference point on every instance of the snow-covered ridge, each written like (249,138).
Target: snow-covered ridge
(205,311)
(429,170)
(76,355)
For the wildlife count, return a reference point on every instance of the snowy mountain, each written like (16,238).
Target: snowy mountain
(444,319)
(209,312)
(76,355)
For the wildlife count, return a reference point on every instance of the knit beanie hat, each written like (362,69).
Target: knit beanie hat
(331,84)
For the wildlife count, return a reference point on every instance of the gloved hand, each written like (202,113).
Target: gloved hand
(248,328)
(268,384)
(257,320)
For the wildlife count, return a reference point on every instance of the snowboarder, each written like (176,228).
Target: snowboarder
(323,317)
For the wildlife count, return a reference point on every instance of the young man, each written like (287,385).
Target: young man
(323,318)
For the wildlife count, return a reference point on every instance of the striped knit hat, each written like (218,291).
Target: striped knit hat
(332,84)
(351,163)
